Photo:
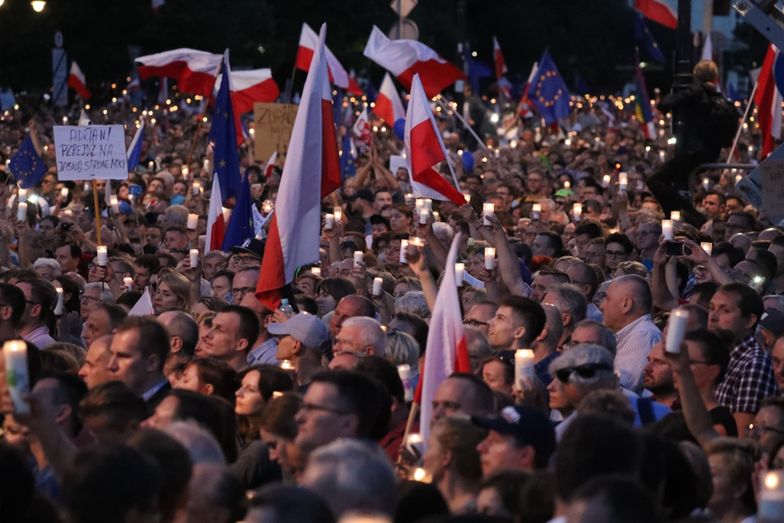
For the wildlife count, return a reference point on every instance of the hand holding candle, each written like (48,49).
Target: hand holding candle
(459,273)
(676,330)
(59,308)
(489,258)
(102,257)
(193,221)
(377,283)
(488,209)
(358,259)
(403,247)
(523,366)
(17,376)
(667,229)
(194,255)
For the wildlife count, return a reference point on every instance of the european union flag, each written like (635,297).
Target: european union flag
(348,166)
(548,91)
(135,149)
(240,226)
(223,134)
(476,71)
(27,167)
(645,40)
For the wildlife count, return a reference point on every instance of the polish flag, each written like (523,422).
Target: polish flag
(308,41)
(312,161)
(424,149)
(768,101)
(447,349)
(216,223)
(524,106)
(195,71)
(388,106)
(500,63)
(249,87)
(77,82)
(361,127)
(269,167)
(658,11)
(405,58)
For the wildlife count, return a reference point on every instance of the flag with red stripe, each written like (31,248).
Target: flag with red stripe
(311,161)
(768,101)
(498,56)
(77,82)
(195,71)
(388,106)
(657,11)
(425,149)
(308,41)
(216,226)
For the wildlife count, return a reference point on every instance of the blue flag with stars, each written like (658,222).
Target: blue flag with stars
(27,167)
(240,226)
(646,41)
(223,134)
(548,91)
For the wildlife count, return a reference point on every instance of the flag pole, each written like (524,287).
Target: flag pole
(196,136)
(742,121)
(290,88)
(97,214)
(440,102)
(412,415)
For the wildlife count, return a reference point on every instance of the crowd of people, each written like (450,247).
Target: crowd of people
(210,407)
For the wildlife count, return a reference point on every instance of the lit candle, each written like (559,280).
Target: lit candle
(276,394)
(17,377)
(103,256)
(286,365)
(771,497)
(577,211)
(193,221)
(22,195)
(567,185)
(409,198)
(667,229)
(423,216)
(196,189)
(185,170)
(488,209)
(316,271)
(436,216)
(206,165)
(428,204)
(337,212)
(459,272)
(194,253)
(404,371)
(662,154)
(420,474)
(64,192)
(467,197)
(623,181)
(536,211)
(489,258)
(403,247)
(377,283)
(21,212)
(707,247)
(416,241)
(329,221)
(115,204)
(675,216)
(59,308)
(676,330)
(706,183)
(226,214)
(128,283)
(523,366)
(267,206)
(606,180)
(358,258)
(738,178)
(420,202)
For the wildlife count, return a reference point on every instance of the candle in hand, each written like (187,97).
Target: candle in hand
(667,229)
(358,258)
(17,376)
(102,257)
(459,273)
(193,221)
(21,212)
(403,247)
(676,330)
(488,209)
(523,365)
(489,258)
(194,254)
(377,283)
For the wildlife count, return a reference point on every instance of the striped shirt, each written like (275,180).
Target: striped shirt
(635,341)
(749,378)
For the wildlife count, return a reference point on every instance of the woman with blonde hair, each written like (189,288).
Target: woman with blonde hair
(172,293)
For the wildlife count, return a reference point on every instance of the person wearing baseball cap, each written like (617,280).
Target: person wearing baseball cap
(300,341)
(519,438)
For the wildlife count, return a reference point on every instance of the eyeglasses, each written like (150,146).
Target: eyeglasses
(310,407)
(475,323)
(615,254)
(586,371)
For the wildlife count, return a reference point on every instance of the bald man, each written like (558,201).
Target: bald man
(350,306)
(94,370)
(627,312)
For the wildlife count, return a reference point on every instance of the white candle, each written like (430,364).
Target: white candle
(59,308)
(103,256)
(128,283)
(358,258)
(661,155)
(194,254)
(196,189)
(675,216)
(22,195)
(267,206)
(706,183)
(206,165)
(337,212)
(185,170)
(329,221)
(286,365)
(21,212)
(114,202)
(623,181)
(436,216)
(523,366)
(467,197)
(423,216)
(428,204)
(707,247)
(409,198)
(567,185)
(489,258)
(17,377)
(667,229)
(404,371)
(403,247)
(606,180)
(377,283)
(420,202)
(676,330)
(577,211)
(226,214)
(488,209)
(193,221)
(536,211)
(771,497)
(316,271)
(459,272)
(64,192)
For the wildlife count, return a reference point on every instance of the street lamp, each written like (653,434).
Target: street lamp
(38,5)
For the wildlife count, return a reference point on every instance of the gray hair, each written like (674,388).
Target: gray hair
(606,336)
(402,348)
(201,444)
(572,300)
(50,263)
(413,302)
(105,295)
(479,348)
(370,333)
(350,474)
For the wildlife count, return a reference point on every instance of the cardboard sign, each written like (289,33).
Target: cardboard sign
(764,186)
(90,152)
(273,124)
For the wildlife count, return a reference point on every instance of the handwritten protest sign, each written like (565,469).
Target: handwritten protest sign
(90,152)
(773,194)
(273,124)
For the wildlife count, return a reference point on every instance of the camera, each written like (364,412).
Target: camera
(677,249)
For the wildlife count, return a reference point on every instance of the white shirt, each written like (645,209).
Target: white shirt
(635,341)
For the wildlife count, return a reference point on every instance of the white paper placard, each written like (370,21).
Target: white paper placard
(90,152)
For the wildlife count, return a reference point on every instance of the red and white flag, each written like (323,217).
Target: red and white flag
(361,128)
(498,56)
(247,88)
(77,82)
(195,71)
(216,225)
(768,101)
(524,109)
(312,161)
(308,41)
(388,106)
(425,149)
(658,11)
(405,58)
(269,167)
(447,349)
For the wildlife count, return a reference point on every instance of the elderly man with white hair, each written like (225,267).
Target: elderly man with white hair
(47,268)
(362,336)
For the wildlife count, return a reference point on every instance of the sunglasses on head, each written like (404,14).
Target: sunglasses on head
(586,371)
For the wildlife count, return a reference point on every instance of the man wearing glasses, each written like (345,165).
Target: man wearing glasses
(40,298)
(480,314)
(12,307)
